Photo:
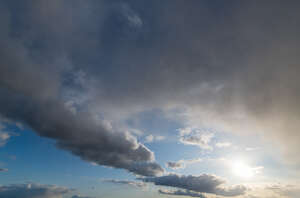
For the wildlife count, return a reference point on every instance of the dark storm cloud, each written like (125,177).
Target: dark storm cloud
(181,193)
(32,191)
(203,184)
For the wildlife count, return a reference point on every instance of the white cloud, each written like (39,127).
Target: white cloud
(252,148)
(132,17)
(4,135)
(223,144)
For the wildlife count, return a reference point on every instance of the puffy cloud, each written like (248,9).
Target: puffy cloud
(126,182)
(203,184)
(32,191)
(181,193)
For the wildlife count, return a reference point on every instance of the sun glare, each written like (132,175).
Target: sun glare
(241,169)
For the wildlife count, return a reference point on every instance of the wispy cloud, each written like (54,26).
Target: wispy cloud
(182,163)
(181,193)
(154,138)
(126,182)
(3,169)
(196,137)
(223,144)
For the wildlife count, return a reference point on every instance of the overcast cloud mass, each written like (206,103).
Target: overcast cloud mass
(78,73)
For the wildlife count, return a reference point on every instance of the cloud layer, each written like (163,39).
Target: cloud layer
(32,191)
(181,193)
(109,61)
(126,182)
(182,163)
(203,184)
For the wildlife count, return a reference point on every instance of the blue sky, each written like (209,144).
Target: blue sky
(149,98)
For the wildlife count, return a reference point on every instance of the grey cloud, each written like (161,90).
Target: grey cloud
(181,193)
(32,191)
(3,169)
(79,196)
(175,165)
(182,163)
(126,182)
(32,89)
(203,184)
(83,137)
(232,65)
(247,87)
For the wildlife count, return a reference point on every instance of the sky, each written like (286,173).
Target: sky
(131,98)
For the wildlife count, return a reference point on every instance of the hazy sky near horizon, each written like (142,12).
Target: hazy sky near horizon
(134,98)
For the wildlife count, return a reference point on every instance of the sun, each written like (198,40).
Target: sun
(241,169)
